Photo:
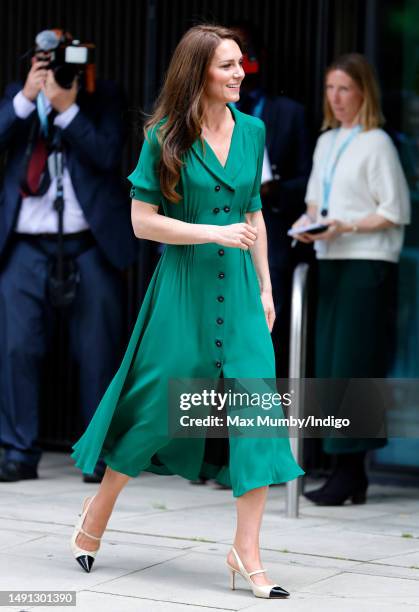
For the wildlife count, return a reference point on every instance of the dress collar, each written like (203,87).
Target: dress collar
(208,158)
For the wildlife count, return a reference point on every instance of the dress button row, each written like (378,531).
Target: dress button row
(218,187)
(216,210)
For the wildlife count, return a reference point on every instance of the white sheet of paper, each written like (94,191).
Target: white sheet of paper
(266,168)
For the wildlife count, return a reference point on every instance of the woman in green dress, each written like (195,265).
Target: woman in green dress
(208,311)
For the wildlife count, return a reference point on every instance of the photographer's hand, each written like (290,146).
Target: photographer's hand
(36,78)
(61,99)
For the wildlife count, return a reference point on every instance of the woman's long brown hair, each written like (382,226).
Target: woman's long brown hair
(180,100)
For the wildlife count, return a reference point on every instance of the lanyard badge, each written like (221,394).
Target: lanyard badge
(329,169)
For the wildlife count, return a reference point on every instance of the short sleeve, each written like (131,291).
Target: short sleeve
(255,202)
(388,184)
(145,178)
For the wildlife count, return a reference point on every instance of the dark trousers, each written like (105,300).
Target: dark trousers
(355,327)
(26,321)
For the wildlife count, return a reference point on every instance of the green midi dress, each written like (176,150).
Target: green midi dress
(202,317)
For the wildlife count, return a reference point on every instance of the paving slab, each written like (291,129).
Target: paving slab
(370,588)
(115,555)
(166,543)
(199,579)
(338,541)
(304,602)
(407,560)
(89,600)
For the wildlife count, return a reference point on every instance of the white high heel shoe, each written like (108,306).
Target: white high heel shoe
(84,557)
(267,591)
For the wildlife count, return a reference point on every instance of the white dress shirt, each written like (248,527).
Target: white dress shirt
(266,168)
(37,214)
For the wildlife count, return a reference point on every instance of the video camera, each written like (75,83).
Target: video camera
(68,57)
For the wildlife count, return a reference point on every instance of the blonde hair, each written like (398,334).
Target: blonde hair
(362,73)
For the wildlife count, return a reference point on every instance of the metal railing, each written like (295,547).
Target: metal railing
(297,369)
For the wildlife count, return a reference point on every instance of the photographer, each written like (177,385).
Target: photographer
(65,234)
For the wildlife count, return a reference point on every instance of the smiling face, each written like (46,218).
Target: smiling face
(344,97)
(225,73)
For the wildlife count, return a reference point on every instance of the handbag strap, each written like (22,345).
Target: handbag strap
(59,199)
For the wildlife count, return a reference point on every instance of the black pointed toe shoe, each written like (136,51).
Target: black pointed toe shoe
(266,591)
(86,561)
(278,591)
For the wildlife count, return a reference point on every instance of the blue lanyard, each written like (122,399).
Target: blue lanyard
(329,174)
(257,109)
(41,105)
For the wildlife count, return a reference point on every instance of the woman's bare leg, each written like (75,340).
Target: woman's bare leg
(250,507)
(101,508)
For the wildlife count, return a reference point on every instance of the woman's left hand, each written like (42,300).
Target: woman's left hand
(335,229)
(268,307)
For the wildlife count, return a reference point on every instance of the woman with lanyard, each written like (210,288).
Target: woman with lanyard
(357,188)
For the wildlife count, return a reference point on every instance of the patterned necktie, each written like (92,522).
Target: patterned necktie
(37,180)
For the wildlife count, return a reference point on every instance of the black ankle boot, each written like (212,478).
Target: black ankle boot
(348,481)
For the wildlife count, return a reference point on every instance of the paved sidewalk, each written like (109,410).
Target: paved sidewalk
(165,547)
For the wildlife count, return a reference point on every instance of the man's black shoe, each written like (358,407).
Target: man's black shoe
(12,471)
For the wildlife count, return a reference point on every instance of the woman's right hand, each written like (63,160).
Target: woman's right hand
(236,235)
(301,222)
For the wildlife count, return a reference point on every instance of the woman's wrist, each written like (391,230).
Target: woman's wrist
(265,288)
(309,217)
(349,228)
(211,233)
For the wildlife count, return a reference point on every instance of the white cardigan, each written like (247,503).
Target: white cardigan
(368,179)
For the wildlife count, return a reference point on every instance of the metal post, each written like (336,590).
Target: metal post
(297,369)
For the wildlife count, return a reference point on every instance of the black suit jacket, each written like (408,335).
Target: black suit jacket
(290,153)
(93,144)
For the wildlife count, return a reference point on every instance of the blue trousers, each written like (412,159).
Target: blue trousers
(95,322)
